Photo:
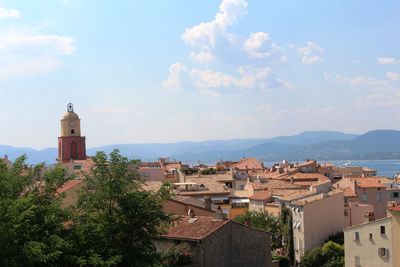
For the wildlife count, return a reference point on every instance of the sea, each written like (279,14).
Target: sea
(387,168)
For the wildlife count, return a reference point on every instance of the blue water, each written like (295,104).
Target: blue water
(388,168)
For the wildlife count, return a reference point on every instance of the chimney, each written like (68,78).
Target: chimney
(207,203)
(369,217)
(219,215)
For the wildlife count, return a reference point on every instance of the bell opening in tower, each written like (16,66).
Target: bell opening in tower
(74,150)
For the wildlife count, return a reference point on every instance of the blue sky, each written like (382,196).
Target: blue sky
(165,71)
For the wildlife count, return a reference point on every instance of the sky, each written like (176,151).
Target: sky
(173,70)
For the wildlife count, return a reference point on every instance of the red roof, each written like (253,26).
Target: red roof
(261,195)
(249,164)
(150,165)
(368,182)
(68,185)
(196,228)
(397,208)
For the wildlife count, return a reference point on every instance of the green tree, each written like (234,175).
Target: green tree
(312,258)
(330,254)
(116,221)
(287,232)
(333,254)
(32,223)
(263,221)
(337,238)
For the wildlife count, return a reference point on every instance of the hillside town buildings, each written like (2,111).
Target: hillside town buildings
(376,242)
(209,197)
(218,242)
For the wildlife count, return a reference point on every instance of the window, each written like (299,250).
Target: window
(242,187)
(356,236)
(77,167)
(395,195)
(383,230)
(364,197)
(357,261)
(370,236)
(379,196)
(72,131)
(346,213)
(383,252)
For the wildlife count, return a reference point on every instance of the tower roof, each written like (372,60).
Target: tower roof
(70,114)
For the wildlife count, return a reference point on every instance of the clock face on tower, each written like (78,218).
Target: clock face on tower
(72,124)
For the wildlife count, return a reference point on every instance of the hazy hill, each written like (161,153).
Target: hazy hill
(379,144)
(321,145)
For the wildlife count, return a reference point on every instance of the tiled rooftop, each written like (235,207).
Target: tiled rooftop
(297,194)
(261,195)
(310,199)
(248,163)
(68,185)
(195,229)
(370,182)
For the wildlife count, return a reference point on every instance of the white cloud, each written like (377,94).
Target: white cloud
(212,40)
(211,81)
(388,61)
(204,57)
(357,82)
(204,34)
(385,99)
(310,54)
(247,78)
(25,52)
(174,79)
(393,76)
(9,13)
(213,43)
(259,45)
(12,40)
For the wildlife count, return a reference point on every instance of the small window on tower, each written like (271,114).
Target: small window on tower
(72,131)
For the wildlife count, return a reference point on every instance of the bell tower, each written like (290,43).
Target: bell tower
(71,145)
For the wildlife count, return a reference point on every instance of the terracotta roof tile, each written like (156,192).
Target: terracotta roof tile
(68,185)
(397,208)
(249,164)
(150,165)
(369,182)
(196,228)
(318,197)
(261,195)
(348,192)
(297,194)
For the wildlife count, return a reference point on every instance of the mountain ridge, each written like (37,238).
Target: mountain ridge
(321,145)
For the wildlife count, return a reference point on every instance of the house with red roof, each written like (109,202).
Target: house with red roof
(248,164)
(218,242)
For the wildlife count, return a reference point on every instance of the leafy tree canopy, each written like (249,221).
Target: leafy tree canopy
(330,254)
(263,221)
(113,223)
